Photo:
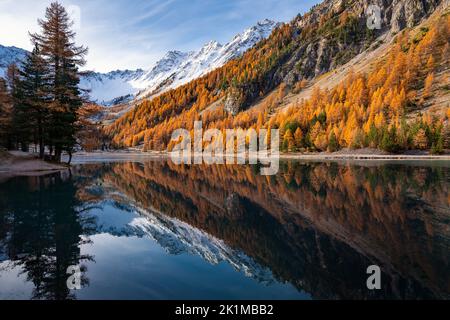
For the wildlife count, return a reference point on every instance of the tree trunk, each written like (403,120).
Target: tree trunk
(24,147)
(41,140)
(70,157)
(41,149)
(58,153)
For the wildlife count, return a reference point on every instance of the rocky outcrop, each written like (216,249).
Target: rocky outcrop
(328,36)
(406,14)
(336,31)
(236,99)
(232,104)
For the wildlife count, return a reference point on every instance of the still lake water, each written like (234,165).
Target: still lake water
(154,230)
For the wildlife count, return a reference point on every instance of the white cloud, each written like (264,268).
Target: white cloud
(17,18)
(135,33)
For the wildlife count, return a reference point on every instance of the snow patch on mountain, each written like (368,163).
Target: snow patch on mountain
(10,55)
(193,65)
(174,69)
(107,88)
(174,236)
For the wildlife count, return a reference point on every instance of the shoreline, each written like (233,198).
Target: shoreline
(349,156)
(364,157)
(15,163)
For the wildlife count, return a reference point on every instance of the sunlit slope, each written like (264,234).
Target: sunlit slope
(316,50)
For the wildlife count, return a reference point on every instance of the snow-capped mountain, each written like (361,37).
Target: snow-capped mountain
(174,69)
(110,88)
(9,55)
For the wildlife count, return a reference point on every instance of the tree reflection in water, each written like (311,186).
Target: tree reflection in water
(41,228)
(315,225)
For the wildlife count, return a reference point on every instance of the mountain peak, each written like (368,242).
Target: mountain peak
(266,22)
(173,54)
(176,68)
(210,46)
(265,25)
(262,29)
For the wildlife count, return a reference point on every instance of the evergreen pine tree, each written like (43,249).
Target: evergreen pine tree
(333,144)
(5,116)
(389,140)
(446,136)
(63,57)
(20,136)
(438,146)
(35,90)
(372,136)
(22,125)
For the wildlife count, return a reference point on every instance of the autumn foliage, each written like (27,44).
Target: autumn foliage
(381,109)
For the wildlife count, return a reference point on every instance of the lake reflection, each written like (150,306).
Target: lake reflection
(154,230)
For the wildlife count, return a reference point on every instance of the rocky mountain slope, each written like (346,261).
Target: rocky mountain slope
(311,46)
(110,88)
(329,36)
(9,55)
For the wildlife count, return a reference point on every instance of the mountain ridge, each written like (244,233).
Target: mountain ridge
(177,68)
(173,69)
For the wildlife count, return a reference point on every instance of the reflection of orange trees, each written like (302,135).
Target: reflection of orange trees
(383,195)
(395,213)
(89,177)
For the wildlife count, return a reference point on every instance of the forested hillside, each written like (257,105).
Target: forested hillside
(365,110)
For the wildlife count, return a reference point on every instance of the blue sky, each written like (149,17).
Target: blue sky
(133,34)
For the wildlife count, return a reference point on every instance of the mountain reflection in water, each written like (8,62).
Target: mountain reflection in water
(309,232)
